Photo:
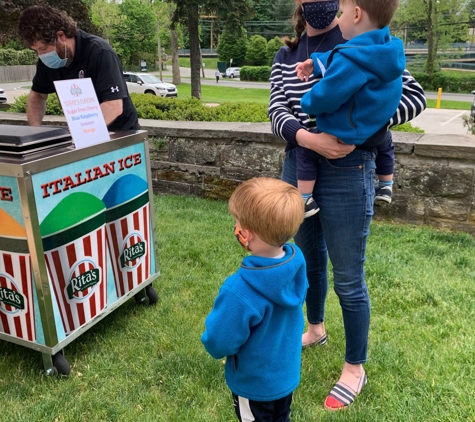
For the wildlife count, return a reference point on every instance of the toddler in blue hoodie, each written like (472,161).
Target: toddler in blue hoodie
(257,320)
(359,92)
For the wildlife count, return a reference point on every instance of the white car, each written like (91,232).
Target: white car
(232,72)
(146,83)
(3,97)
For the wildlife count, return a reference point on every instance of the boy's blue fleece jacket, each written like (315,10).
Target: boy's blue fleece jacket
(257,322)
(361,88)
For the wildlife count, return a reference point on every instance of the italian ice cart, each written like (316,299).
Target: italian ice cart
(77,235)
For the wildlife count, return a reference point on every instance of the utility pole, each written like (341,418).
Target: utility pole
(211,37)
(159,51)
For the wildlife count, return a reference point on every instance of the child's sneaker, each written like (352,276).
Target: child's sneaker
(383,196)
(311,207)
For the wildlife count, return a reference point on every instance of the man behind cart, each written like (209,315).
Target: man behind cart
(66,52)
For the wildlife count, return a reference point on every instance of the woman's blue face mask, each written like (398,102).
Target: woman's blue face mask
(52,59)
(320,14)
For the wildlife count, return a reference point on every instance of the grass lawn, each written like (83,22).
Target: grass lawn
(148,364)
(450,105)
(220,94)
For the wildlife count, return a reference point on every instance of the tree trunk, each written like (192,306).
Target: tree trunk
(431,37)
(195,53)
(175,66)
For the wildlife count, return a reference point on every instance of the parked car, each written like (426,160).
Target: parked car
(3,97)
(146,83)
(472,108)
(232,72)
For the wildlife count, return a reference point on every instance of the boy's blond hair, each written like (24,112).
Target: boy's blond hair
(380,12)
(270,208)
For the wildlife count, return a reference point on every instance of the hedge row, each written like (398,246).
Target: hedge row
(255,73)
(449,82)
(158,108)
(462,82)
(11,57)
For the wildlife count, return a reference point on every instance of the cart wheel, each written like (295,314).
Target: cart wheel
(151,294)
(61,365)
(142,299)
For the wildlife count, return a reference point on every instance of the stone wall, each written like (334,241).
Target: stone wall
(434,177)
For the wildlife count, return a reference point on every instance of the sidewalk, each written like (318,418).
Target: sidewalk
(441,121)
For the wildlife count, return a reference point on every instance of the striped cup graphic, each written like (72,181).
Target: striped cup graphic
(128,232)
(75,255)
(17,309)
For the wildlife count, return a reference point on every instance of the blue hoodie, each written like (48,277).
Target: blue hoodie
(361,88)
(257,322)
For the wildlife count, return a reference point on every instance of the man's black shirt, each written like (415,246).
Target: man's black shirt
(95,59)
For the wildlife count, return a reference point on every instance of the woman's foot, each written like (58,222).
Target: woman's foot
(343,394)
(314,336)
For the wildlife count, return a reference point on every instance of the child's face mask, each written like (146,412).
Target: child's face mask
(240,238)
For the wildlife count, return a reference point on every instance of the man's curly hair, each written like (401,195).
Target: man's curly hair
(40,23)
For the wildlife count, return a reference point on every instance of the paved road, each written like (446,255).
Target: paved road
(439,121)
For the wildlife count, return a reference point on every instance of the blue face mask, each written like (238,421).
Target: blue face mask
(52,60)
(320,14)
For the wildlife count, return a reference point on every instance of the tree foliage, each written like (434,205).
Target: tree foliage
(273,18)
(232,13)
(232,47)
(137,32)
(256,51)
(105,14)
(435,22)
(10,11)
(273,46)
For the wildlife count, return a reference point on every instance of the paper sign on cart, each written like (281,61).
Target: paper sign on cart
(82,111)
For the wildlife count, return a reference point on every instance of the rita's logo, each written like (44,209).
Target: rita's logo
(75,90)
(134,249)
(81,74)
(10,297)
(84,276)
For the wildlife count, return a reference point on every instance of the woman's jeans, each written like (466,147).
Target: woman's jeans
(344,192)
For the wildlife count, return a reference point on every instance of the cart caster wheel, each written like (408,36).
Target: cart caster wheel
(142,299)
(152,295)
(61,365)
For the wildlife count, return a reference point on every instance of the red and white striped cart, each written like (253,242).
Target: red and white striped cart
(77,235)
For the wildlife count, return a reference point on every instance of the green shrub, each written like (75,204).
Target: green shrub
(241,112)
(232,47)
(158,108)
(407,127)
(255,73)
(11,57)
(257,50)
(448,81)
(151,107)
(273,46)
(19,106)
(53,108)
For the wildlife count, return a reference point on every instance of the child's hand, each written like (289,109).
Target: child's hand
(304,70)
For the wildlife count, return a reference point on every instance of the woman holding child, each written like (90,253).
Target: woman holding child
(344,191)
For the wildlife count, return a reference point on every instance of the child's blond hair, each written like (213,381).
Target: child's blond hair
(270,208)
(380,12)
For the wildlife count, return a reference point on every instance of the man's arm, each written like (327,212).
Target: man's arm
(35,108)
(111,110)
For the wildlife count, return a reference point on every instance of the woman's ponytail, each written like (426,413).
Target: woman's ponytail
(299,27)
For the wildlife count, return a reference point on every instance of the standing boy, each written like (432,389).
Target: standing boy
(359,92)
(257,320)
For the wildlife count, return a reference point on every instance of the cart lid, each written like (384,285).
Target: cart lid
(21,140)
